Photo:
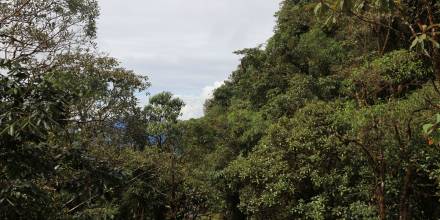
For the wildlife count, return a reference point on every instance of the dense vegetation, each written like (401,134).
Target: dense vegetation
(335,117)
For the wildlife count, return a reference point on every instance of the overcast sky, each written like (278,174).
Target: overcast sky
(183,46)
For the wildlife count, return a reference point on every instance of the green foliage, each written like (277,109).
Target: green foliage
(164,108)
(342,103)
(432,130)
(30,113)
(333,118)
(162,113)
(21,200)
(301,88)
(321,52)
(393,75)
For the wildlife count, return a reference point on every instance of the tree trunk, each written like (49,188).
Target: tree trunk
(159,213)
(381,188)
(436,62)
(233,200)
(404,209)
(142,214)
(381,200)
(173,186)
(435,38)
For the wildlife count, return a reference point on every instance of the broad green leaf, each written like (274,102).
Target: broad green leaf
(414,43)
(11,130)
(318,8)
(427,128)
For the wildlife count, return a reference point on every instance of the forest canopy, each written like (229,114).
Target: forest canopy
(336,116)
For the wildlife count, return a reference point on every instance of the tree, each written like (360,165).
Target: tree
(104,96)
(162,114)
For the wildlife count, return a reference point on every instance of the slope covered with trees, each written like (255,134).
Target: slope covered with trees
(335,117)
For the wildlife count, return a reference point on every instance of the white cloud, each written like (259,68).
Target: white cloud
(183,45)
(208,91)
(194,104)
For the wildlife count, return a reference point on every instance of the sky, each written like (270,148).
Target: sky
(183,46)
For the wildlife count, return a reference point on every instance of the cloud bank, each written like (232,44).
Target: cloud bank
(183,45)
(194,104)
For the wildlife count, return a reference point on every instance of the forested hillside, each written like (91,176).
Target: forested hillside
(336,116)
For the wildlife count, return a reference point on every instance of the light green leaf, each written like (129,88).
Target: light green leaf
(11,130)
(318,8)
(414,43)
(427,128)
